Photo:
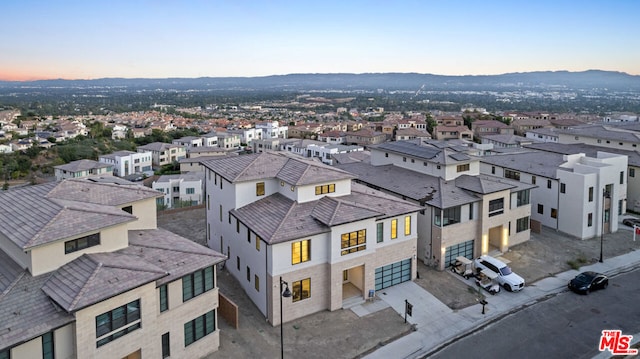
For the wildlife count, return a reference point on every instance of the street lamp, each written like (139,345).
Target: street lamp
(283,293)
(605,195)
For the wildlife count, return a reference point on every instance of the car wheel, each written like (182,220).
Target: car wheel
(507,287)
(605,285)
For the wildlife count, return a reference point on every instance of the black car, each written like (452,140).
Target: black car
(631,222)
(586,282)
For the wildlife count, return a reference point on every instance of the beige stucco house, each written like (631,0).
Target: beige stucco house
(85,273)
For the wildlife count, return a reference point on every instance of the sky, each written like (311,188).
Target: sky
(89,39)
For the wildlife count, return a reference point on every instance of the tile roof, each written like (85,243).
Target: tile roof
(589,150)
(277,218)
(158,146)
(35,215)
(26,312)
(628,133)
(82,165)
(544,164)
(296,171)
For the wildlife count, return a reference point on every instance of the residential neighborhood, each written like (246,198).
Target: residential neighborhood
(334,212)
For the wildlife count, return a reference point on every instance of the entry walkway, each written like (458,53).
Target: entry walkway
(437,325)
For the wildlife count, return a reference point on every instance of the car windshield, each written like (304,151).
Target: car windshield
(505,270)
(584,278)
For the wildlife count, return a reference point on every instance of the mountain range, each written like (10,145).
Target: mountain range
(561,80)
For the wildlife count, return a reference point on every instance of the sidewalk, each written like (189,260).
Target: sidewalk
(437,325)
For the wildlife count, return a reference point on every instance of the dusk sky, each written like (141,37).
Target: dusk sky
(90,39)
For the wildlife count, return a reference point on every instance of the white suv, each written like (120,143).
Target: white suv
(509,280)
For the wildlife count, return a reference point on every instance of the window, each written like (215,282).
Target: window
(256,281)
(220,213)
(191,190)
(404,159)
(353,242)
(589,219)
(632,172)
(424,163)
(407,225)
(413,161)
(540,209)
(237,262)
(164,298)
(379,232)
(118,322)
(462,168)
(496,207)
(5,354)
(386,154)
(554,213)
(128,209)
(522,224)
(197,283)
(620,207)
(200,327)
(394,228)
(548,183)
(493,170)
(522,198)
(590,194)
(621,177)
(512,174)
(79,244)
(327,188)
(470,211)
(563,188)
(533,179)
(449,216)
(258,243)
(47,346)
(208,202)
(248,274)
(301,251)
(166,347)
(260,189)
(301,289)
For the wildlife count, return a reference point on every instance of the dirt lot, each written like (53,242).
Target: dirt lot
(341,334)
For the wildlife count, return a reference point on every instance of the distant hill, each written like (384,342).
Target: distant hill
(585,80)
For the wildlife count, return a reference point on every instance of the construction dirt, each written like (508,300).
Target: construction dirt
(341,334)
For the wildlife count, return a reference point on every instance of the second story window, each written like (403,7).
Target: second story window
(260,189)
(379,232)
(117,322)
(449,216)
(301,251)
(407,225)
(522,198)
(197,283)
(394,228)
(353,242)
(496,207)
(462,168)
(512,174)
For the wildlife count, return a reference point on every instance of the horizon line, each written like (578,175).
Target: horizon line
(308,73)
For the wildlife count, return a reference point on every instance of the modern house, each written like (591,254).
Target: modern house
(126,163)
(186,189)
(85,273)
(451,128)
(82,168)
(579,195)
(272,129)
(463,212)
(281,217)
(163,153)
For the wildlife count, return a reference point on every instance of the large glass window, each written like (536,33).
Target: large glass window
(496,207)
(118,322)
(522,224)
(522,198)
(462,168)
(301,251)
(449,216)
(407,225)
(327,188)
(78,244)
(353,242)
(512,174)
(198,328)
(301,289)
(197,283)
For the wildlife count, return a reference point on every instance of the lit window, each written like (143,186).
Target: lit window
(301,289)
(353,242)
(407,225)
(260,189)
(300,251)
(394,228)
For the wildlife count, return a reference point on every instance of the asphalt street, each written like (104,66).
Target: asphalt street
(567,325)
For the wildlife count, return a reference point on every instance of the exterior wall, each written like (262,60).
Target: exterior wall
(51,256)
(63,345)
(619,144)
(145,210)
(246,191)
(308,193)
(633,188)
(443,237)
(30,349)
(516,213)
(218,231)
(378,158)
(16,253)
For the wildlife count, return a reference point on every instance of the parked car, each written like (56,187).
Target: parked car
(509,280)
(586,282)
(631,222)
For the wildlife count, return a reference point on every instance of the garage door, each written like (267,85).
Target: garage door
(464,249)
(392,274)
